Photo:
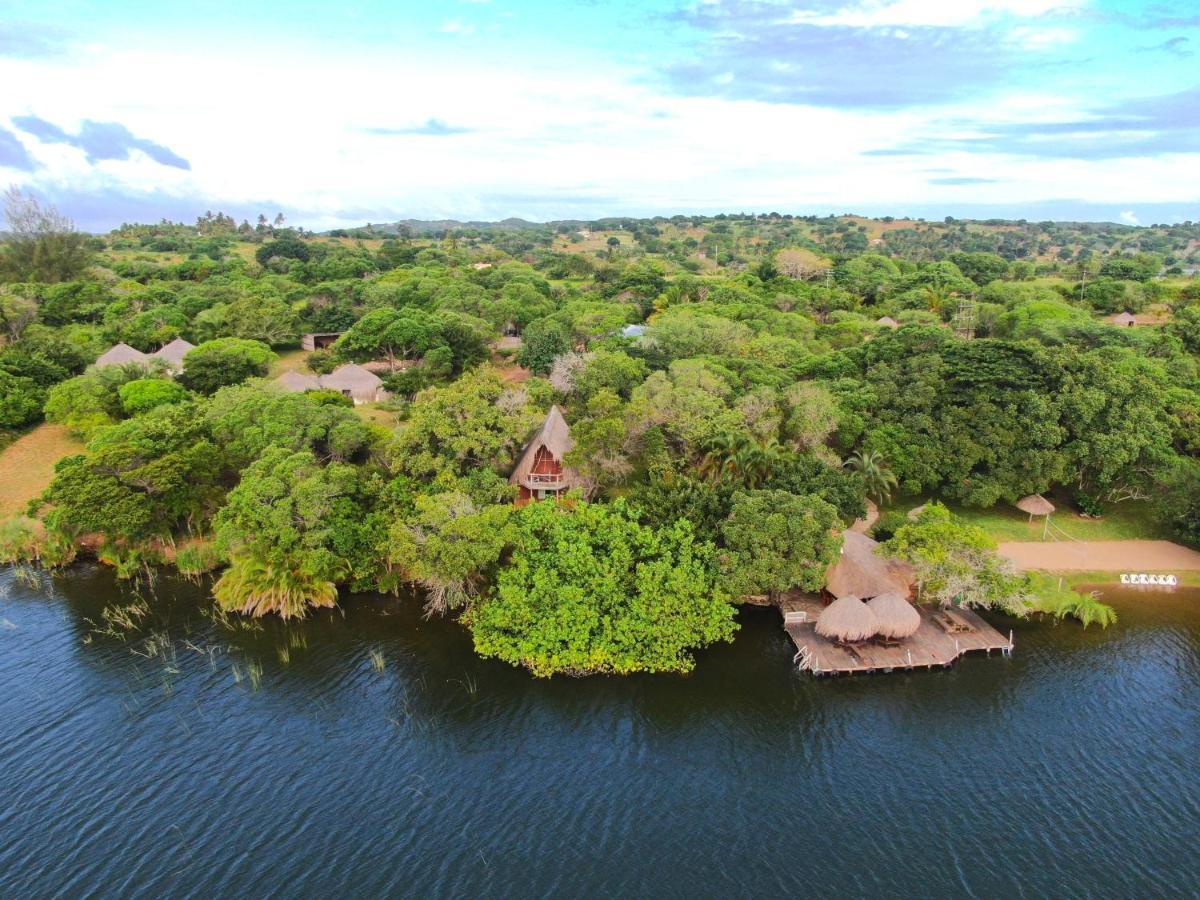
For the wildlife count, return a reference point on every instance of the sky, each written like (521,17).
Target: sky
(344,113)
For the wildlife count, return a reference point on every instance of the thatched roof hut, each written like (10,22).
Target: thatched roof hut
(540,468)
(297,382)
(1124,319)
(357,383)
(1035,505)
(887,322)
(897,617)
(862,572)
(174,353)
(121,354)
(847,620)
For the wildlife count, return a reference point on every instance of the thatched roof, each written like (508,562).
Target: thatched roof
(174,352)
(1035,505)
(861,572)
(1124,318)
(888,321)
(298,382)
(119,355)
(847,619)
(351,377)
(897,617)
(555,436)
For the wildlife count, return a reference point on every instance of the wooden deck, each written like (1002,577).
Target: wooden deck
(932,646)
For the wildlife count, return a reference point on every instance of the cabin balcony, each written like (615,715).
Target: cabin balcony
(547,480)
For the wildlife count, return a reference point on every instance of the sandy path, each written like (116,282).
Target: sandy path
(862,526)
(1102,556)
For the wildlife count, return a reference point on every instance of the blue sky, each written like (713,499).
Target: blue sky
(371,111)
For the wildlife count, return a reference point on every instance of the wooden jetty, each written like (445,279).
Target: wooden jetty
(939,641)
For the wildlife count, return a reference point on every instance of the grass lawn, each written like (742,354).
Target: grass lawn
(289,361)
(27,465)
(369,412)
(1132,520)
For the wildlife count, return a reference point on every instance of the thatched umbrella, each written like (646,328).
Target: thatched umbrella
(847,620)
(861,572)
(1036,505)
(897,617)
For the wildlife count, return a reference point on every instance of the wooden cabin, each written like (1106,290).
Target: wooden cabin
(319,340)
(540,473)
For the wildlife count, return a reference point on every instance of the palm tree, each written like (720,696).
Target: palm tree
(878,478)
(738,457)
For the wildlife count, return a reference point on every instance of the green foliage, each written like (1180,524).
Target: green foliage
(87,402)
(957,563)
(589,590)
(878,480)
(224,361)
(542,341)
(449,547)
(21,401)
(476,421)
(145,394)
(1178,500)
(776,541)
(140,478)
(18,541)
(40,245)
(247,419)
(1059,602)
(292,529)
(195,559)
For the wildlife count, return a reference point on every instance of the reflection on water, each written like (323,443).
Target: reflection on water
(367,751)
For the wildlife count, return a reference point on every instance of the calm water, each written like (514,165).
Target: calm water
(195,760)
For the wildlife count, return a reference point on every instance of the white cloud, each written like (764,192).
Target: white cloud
(1129,217)
(602,141)
(917,13)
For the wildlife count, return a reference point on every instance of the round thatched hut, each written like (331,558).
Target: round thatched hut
(847,620)
(887,322)
(861,572)
(897,618)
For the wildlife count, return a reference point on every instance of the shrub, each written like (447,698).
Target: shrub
(145,394)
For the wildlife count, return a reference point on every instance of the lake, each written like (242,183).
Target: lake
(368,752)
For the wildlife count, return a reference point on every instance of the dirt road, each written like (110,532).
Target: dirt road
(1102,556)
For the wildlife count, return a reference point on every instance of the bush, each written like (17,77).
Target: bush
(321,361)
(224,361)
(197,559)
(888,524)
(145,394)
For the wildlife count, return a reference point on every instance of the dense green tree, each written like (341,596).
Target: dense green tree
(476,421)
(245,420)
(957,564)
(776,541)
(224,361)
(40,244)
(293,530)
(542,341)
(449,547)
(590,590)
(143,477)
(21,400)
(144,394)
